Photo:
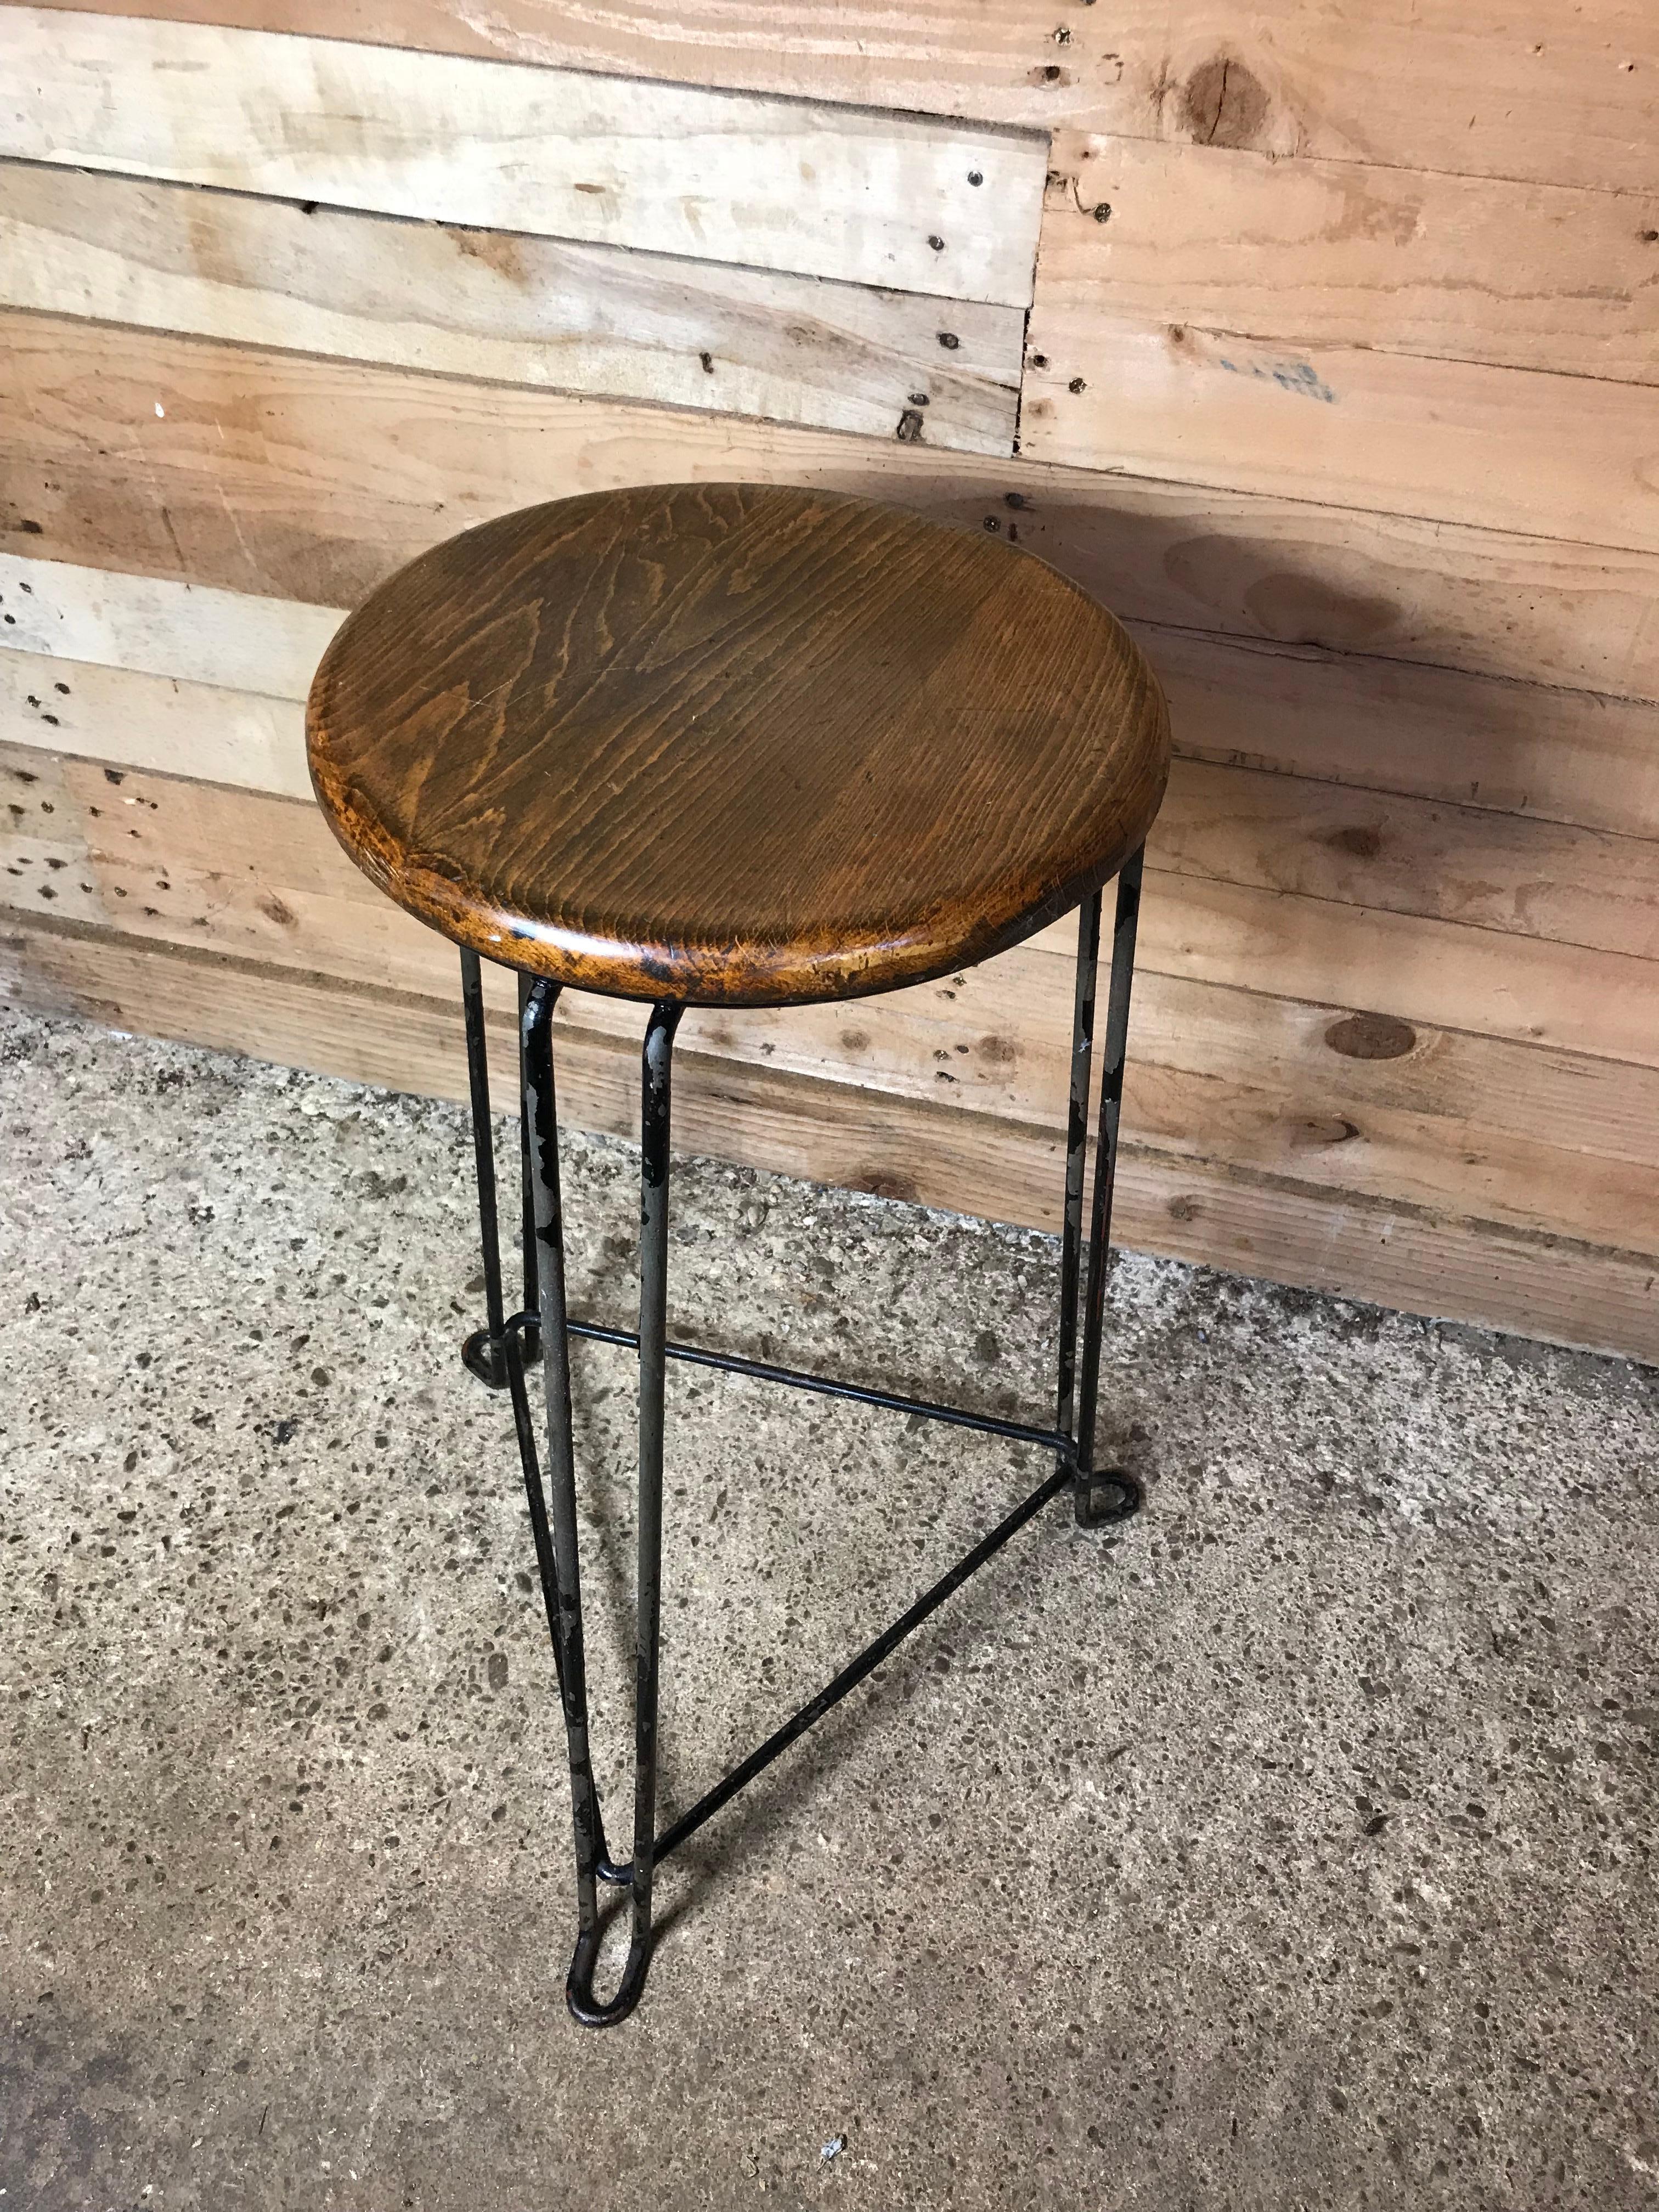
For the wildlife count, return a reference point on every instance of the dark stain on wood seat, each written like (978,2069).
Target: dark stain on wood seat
(734,745)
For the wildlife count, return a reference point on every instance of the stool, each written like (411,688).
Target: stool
(736,745)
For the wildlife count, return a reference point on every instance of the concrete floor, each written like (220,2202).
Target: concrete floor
(1291,1848)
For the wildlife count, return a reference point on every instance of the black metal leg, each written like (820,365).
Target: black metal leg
(562,1572)
(529,1335)
(498,1350)
(483,1352)
(1107,1494)
(559,1554)
(1077,1147)
(497,1353)
(654,1126)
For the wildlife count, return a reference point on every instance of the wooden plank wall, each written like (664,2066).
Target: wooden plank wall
(1321,344)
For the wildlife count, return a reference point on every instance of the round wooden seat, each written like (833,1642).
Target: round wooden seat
(735,745)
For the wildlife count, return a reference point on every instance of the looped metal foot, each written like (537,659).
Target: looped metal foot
(1110,1494)
(584,2007)
(485,1356)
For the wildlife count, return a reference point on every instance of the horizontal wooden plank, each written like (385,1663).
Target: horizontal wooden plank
(1411,856)
(1354,719)
(1510,449)
(507,306)
(1287,1230)
(1351,254)
(1415,967)
(163,626)
(1349,718)
(1509,1130)
(296,478)
(921,205)
(185,729)
(1532,90)
(1357,718)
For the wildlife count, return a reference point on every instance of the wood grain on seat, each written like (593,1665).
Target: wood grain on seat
(734,745)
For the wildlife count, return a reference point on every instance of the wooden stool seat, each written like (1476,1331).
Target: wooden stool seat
(729,745)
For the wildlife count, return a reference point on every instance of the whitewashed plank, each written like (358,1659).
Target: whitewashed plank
(132,721)
(505,305)
(162,626)
(950,208)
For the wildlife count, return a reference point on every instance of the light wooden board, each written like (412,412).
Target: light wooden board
(1381,852)
(305,479)
(163,626)
(1291,1232)
(1495,89)
(1414,966)
(1510,449)
(182,728)
(1217,1074)
(921,205)
(503,305)
(1347,253)
(1350,719)
(1356,719)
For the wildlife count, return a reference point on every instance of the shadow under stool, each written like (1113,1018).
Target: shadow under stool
(736,745)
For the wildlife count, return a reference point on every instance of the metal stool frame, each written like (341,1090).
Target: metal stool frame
(500,1352)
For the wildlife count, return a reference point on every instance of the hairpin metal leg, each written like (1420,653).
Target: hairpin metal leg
(484,1351)
(496,1351)
(561,1572)
(1107,1494)
(530,1339)
(653,1353)
(1077,1148)
(497,1354)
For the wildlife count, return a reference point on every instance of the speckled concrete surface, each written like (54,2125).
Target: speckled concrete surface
(1292,1848)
